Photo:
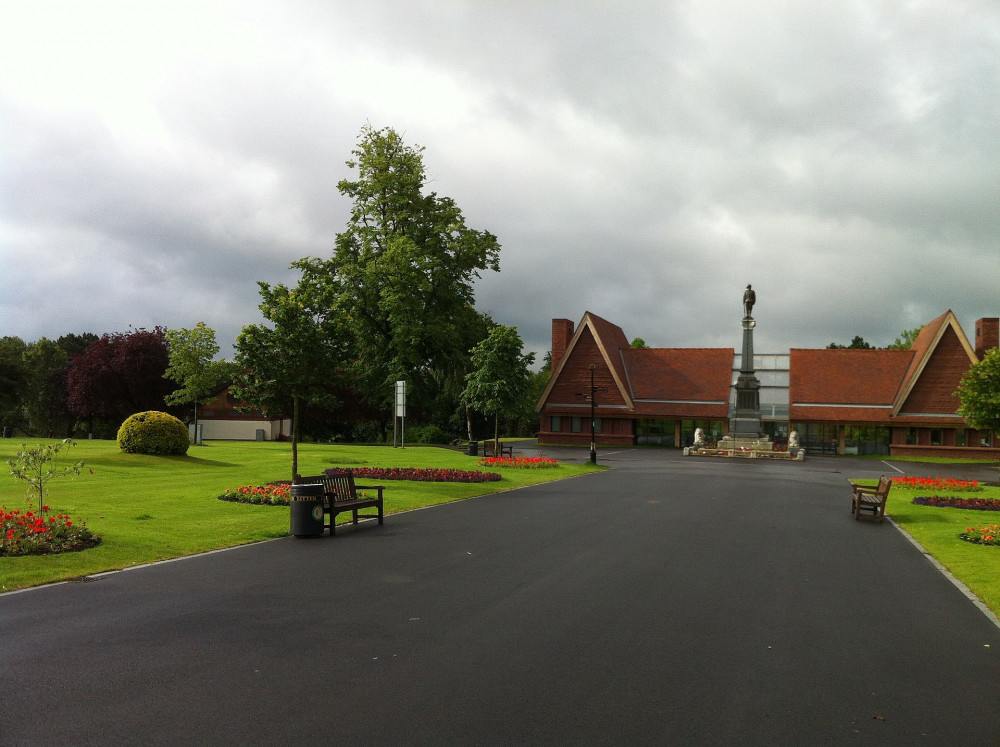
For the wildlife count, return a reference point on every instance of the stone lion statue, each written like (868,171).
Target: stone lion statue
(699,437)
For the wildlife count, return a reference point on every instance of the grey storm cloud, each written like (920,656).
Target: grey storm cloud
(641,160)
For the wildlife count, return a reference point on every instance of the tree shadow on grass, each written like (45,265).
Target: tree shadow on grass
(190,460)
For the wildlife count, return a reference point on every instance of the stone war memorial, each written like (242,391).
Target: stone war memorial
(746,437)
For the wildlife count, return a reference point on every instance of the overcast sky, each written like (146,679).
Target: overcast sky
(641,160)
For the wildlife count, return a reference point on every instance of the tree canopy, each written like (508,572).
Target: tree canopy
(403,270)
(858,343)
(192,365)
(979,391)
(120,374)
(294,359)
(501,376)
(905,340)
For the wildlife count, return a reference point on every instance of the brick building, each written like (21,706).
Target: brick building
(840,401)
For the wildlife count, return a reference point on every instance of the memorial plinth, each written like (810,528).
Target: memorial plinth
(745,430)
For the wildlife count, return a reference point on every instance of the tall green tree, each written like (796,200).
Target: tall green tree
(501,376)
(13,376)
(295,358)
(979,391)
(403,270)
(43,390)
(193,366)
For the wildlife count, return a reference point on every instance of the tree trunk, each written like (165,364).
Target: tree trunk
(468,420)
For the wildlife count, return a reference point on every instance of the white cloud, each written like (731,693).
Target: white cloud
(644,161)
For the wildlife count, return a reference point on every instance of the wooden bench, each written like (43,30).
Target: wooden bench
(490,451)
(340,495)
(870,501)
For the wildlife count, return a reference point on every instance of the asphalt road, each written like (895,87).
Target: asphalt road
(667,601)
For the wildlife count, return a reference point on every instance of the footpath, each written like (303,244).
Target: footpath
(668,600)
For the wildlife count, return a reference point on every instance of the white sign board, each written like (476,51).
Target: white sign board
(400,399)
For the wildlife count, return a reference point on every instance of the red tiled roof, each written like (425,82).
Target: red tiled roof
(846,377)
(688,374)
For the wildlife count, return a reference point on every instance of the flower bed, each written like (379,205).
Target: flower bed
(279,493)
(950,501)
(419,474)
(275,494)
(936,483)
(519,462)
(984,534)
(28,533)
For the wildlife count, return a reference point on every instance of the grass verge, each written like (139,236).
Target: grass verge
(155,508)
(936,529)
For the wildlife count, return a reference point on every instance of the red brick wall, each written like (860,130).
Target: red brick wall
(954,452)
(940,377)
(575,378)
(562,333)
(987,336)
(614,431)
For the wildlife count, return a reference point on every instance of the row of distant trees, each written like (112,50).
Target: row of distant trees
(85,384)
(395,301)
(904,342)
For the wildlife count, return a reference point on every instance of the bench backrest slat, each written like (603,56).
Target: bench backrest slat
(339,486)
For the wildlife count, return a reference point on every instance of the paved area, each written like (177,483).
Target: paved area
(666,601)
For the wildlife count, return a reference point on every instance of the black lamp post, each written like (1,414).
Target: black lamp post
(593,418)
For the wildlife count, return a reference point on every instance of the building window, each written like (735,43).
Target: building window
(985,439)
(658,432)
(597,425)
(576,425)
(911,436)
(960,437)
(556,424)
(936,437)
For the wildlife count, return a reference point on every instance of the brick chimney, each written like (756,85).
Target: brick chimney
(987,335)
(562,333)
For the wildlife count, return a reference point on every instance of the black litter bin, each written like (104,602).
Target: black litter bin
(307,510)
(473,448)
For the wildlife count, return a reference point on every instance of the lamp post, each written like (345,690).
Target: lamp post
(592,396)
(593,418)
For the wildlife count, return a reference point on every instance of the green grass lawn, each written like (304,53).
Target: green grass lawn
(937,530)
(155,508)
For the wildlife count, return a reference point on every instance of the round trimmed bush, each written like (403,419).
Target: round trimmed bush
(153,432)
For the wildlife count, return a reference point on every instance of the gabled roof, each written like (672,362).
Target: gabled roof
(923,350)
(697,377)
(656,382)
(873,385)
(610,341)
(843,384)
